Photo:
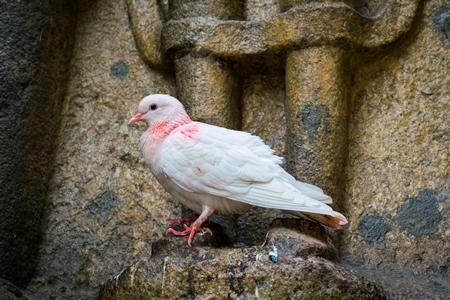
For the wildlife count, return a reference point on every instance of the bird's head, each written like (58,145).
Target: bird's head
(158,109)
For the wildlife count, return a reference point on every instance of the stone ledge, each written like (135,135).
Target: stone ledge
(291,263)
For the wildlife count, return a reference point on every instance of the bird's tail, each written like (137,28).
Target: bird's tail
(333,221)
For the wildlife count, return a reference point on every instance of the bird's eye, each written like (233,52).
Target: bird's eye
(153,106)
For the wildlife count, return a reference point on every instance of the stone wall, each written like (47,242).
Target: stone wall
(105,209)
(398,170)
(37,38)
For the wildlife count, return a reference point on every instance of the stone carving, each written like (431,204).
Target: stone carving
(317,39)
(104,211)
(314,42)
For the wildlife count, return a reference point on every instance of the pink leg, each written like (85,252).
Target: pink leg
(182,220)
(196,226)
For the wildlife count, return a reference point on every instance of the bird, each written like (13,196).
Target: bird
(211,169)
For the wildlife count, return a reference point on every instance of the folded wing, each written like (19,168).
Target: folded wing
(238,166)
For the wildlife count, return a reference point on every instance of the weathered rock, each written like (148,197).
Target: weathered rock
(301,238)
(398,165)
(105,209)
(207,87)
(290,264)
(442,19)
(36,45)
(317,114)
(9,291)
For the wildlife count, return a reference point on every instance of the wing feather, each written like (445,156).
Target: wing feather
(238,166)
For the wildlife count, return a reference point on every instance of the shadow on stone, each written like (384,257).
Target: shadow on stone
(8,291)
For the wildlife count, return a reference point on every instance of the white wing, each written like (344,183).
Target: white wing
(207,159)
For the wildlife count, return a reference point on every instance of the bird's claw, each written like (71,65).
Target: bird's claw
(189,230)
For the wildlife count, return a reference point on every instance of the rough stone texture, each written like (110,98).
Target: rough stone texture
(105,208)
(211,9)
(398,172)
(207,87)
(147,17)
(292,264)
(442,19)
(9,291)
(36,44)
(262,111)
(321,24)
(317,88)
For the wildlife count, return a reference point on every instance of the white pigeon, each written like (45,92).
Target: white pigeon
(211,169)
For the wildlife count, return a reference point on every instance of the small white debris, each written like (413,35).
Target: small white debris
(164,272)
(116,278)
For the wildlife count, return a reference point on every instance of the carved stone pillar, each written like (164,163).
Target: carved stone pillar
(206,85)
(317,89)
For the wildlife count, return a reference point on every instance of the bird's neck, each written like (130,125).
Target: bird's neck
(163,128)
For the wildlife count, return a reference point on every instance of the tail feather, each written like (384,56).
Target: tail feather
(333,221)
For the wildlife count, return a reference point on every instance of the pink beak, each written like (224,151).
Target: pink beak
(136,118)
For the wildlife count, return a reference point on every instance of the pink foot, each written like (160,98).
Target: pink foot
(192,230)
(195,227)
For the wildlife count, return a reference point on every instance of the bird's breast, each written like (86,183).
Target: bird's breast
(150,147)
